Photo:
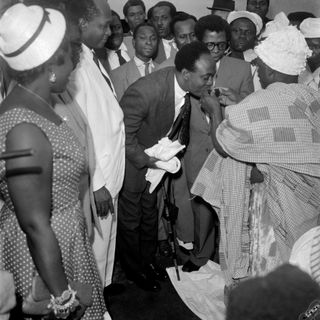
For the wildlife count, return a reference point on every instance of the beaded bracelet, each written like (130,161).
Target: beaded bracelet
(65,304)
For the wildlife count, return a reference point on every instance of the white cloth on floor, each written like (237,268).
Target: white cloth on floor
(165,150)
(202,291)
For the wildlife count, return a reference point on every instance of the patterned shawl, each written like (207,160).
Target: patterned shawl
(278,129)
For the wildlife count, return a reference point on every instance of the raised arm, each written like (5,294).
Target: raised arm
(212,107)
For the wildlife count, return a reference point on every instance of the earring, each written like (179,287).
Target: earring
(52,77)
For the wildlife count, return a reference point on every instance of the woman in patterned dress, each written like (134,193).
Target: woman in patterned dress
(42,228)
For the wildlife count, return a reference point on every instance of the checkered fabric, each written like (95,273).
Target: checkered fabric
(315,257)
(279,130)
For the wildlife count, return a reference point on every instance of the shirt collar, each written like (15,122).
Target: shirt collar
(122,47)
(178,91)
(140,63)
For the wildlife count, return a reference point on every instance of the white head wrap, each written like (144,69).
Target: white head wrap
(285,51)
(310,27)
(280,21)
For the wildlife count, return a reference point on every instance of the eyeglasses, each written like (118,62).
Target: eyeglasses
(220,45)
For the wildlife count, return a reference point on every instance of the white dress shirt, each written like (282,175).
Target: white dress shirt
(179,98)
(168,46)
(113,58)
(105,117)
(141,66)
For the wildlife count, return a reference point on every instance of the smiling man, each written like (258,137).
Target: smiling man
(91,88)
(117,51)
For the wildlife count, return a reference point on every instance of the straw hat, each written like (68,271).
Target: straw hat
(29,36)
(253,17)
(310,27)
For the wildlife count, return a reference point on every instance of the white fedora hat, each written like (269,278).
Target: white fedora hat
(253,17)
(29,36)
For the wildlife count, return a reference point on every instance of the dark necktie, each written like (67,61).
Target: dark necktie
(122,60)
(181,126)
(146,68)
(96,61)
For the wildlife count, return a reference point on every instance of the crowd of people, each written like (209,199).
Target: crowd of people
(105,124)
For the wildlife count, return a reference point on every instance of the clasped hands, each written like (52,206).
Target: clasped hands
(209,101)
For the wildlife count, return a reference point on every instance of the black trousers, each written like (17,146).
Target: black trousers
(137,230)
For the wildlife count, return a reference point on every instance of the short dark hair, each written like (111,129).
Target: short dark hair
(266,0)
(86,9)
(285,293)
(133,3)
(172,8)
(144,24)
(113,13)
(212,23)
(180,16)
(189,54)
(300,16)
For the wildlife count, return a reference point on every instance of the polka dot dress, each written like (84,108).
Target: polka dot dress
(67,219)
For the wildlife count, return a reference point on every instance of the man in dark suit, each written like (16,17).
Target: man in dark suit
(150,106)
(145,43)
(234,80)
(134,12)
(260,7)
(161,14)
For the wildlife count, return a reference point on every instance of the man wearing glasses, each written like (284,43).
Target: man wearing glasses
(232,82)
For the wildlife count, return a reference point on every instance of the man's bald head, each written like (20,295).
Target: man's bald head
(103,7)
(96,25)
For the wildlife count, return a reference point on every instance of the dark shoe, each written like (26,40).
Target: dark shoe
(113,289)
(164,248)
(145,282)
(156,272)
(189,266)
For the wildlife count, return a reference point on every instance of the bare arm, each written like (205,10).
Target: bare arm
(212,107)
(31,197)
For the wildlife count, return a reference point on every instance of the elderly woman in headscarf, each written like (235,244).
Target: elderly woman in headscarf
(43,240)
(270,142)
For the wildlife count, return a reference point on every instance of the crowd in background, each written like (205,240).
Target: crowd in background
(114,131)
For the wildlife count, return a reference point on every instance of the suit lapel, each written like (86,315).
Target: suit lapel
(161,55)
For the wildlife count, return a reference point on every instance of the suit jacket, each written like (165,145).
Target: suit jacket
(148,106)
(161,55)
(169,62)
(127,40)
(124,76)
(235,74)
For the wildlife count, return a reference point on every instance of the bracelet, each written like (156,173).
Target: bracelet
(65,304)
